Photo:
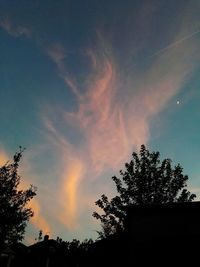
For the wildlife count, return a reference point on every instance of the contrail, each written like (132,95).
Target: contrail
(175,43)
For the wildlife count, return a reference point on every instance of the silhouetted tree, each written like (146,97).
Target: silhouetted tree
(40,236)
(59,240)
(86,244)
(76,244)
(145,180)
(13,211)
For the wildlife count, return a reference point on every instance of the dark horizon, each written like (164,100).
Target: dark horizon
(82,85)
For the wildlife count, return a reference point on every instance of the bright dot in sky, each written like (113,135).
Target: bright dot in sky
(177,102)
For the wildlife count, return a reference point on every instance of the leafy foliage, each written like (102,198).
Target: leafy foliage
(145,180)
(40,236)
(75,245)
(13,212)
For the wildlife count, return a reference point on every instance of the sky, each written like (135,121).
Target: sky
(83,83)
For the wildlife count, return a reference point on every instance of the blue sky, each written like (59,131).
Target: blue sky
(82,85)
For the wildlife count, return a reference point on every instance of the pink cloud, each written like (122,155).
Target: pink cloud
(113,117)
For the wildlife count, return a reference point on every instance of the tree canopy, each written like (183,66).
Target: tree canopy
(13,211)
(146,180)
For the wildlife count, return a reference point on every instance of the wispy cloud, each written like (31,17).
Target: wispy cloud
(68,180)
(28,177)
(176,43)
(69,192)
(15,30)
(38,220)
(113,114)
(58,54)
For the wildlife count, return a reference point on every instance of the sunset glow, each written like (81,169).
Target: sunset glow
(83,90)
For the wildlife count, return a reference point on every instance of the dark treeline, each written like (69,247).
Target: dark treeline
(151,216)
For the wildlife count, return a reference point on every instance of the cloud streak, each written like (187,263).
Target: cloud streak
(175,43)
(38,220)
(29,177)
(69,192)
(14,30)
(58,54)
